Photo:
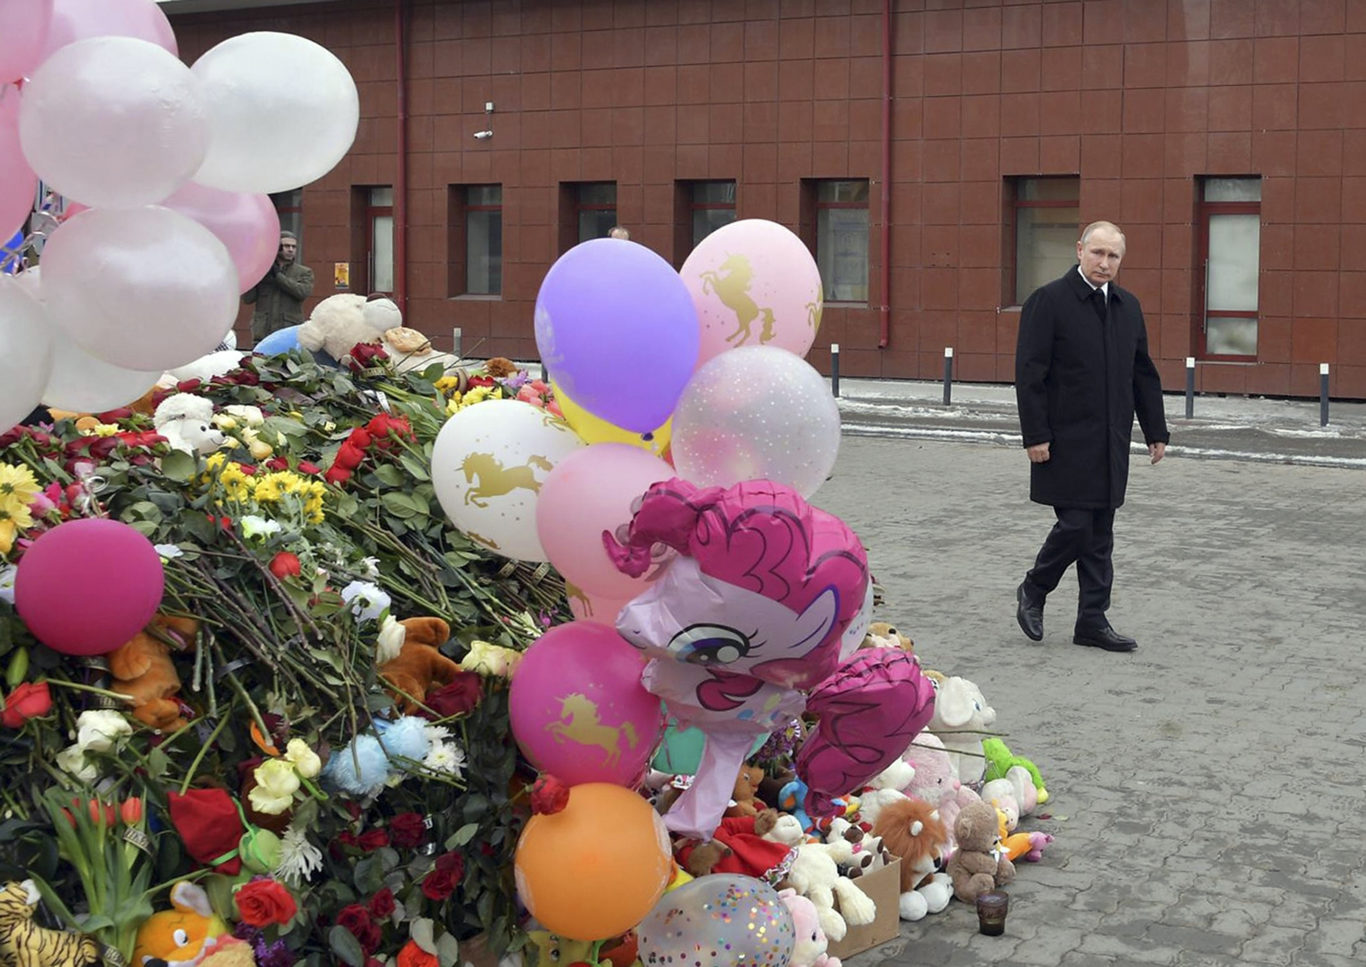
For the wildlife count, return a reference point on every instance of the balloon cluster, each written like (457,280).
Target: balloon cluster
(165,171)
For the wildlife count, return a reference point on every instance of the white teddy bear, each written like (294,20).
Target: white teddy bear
(883,788)
(185,420)
(341,321)
(815,875)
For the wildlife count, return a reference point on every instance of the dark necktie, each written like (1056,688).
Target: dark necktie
(1098,300)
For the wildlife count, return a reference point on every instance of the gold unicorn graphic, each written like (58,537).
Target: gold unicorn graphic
(733,290)
(496,480)
(813,314)
(579,723)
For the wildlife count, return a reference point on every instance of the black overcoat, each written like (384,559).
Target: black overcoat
(1079,383)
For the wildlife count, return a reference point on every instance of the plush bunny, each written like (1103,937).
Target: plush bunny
(810,944)
(934,780)
(961,715)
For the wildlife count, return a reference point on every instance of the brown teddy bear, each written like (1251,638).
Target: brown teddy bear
(979,864)
(419,665)
(883,634)
(142,669)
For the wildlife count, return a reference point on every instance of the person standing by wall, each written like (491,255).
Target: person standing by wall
(1082,372)
(279,297)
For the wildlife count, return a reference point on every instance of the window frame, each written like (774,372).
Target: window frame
(1011,229)
(812,206)
(1204,209)
(572,206)
(458,209)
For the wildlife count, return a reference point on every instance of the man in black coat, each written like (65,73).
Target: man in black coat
(1082,372)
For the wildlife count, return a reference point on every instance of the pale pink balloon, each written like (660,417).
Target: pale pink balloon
(590,491)
(17,180)
(24,26)
(247,224)
(754,283)
(74,20)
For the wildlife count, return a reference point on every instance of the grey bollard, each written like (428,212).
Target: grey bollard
(948,374)
(1190,387)
(1323,394)
(835,369)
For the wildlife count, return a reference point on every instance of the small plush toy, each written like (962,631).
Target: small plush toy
(142,669)
(912,830)
(882,634)
(1000,793)
(745,794)
(978,865)
(341,321)
(934,780)
(810,944)
(884,788)
(189,933)
(419,664)
(815,875)
(855,849)
(745,848)
(961,716)
(1027,845)
(24,943)
(205,368)
(789,800)
(185,420)
(1000,761)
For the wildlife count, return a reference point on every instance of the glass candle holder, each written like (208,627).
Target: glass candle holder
(992,907)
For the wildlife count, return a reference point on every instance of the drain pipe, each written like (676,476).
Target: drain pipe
(401,163)
(884,309)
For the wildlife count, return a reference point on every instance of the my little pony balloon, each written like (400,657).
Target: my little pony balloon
(750,611)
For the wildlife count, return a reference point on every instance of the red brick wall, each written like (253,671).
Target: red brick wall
(1136,96)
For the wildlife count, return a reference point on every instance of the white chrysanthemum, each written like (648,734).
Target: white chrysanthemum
(446,757)
(299,859)
(436,733)
(254,526)
(168,551)
(367,601)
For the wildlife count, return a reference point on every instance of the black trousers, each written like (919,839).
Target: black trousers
(1086,538)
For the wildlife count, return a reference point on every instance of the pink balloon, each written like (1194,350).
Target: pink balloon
(74,20)
(754,283)
(588,492)
(247,224)
(18,183)
(577,707)
(87,586)
(24,26)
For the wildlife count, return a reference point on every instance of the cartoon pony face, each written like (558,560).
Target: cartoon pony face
(764,584)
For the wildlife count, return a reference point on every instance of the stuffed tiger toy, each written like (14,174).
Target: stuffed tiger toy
(24,943)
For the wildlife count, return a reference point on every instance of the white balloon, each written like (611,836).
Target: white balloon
(142,288)
(25,353)
(488,464)
(756,413)
(87,384)
(113,122)
(282,112)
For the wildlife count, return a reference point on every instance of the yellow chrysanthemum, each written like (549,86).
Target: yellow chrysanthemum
(453,405)
(447,383)
(11,521)
(7,532)
(17,488)
(477,395)
(265,490)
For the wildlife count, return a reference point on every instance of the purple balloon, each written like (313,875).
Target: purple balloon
(578,709)
(617,328)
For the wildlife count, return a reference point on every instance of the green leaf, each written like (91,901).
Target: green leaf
(389,475)
(178,465)
(462,836)
(399,504)
(447,951)
(415,467)
(346,946)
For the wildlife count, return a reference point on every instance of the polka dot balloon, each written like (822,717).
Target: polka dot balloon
(719,919)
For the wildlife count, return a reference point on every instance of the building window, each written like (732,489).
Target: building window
(588,209)
(1230,223)
(372,238)
(1043,215)
(835,219)
(711,204)
(289,205)
(475,223)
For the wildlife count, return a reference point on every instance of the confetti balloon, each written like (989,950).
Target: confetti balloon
(719,919)
(756,413)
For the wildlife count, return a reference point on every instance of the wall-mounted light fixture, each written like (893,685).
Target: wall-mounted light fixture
(487,133)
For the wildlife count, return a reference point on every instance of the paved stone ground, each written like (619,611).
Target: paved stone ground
(1207,789)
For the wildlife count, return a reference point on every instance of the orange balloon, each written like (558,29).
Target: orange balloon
(597,867)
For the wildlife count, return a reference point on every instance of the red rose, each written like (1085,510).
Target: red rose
(306,466)
(337,476)
(356,919)
(285,565)
(349,456)
(347,838)
(548,795)
(452,863)
(277,463)
(457,698)
(265,901)
(29,700)
(187,385)
(373,839)
(407,830)
(382,904)
(438,885)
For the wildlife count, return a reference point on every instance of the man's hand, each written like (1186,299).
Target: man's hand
(1038,453)
(1157,451)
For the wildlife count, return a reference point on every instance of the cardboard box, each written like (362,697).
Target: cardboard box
(883,887)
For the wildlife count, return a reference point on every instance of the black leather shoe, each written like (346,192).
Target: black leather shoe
(1029,613)
(1103,637)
